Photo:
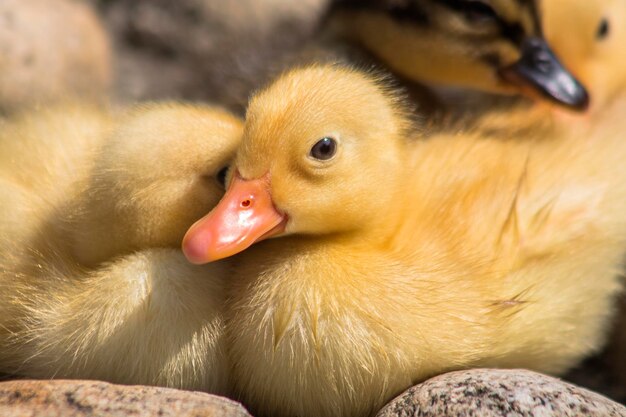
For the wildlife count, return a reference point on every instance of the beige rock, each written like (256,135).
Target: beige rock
(60,398)
(498,392)
(51,50)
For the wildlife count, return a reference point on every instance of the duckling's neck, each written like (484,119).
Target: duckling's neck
(380,231)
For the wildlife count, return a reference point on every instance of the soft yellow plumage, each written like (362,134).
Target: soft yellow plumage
(146,318)
(92,284)
(404,258)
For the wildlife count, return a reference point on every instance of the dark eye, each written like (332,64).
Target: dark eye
(604,29)
(478,12)
(324,149)
(221,176)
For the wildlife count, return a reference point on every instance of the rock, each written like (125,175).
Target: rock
(92,398)
(498,392)
(51,50)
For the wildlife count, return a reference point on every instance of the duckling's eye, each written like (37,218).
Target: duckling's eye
(324,149)
(604,29)
(478,12)
(221,176)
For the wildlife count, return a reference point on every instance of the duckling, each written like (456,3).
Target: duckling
(141,314)
(594,51)
(394,258)
(493,46)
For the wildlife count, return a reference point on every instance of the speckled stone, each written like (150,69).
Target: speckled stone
(497,392)
(91,398)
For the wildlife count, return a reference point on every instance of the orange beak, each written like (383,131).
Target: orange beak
(245,215)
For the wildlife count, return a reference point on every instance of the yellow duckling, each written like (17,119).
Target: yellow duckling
(395,259)
(143,314)
(493,46)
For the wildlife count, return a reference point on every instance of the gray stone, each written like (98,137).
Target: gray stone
(498,392)
(59,398)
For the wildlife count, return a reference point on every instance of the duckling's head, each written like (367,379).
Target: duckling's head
(321,154)
(491,45)
(590,37)
(160,169)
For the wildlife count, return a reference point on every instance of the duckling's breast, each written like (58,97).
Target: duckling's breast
(320,330)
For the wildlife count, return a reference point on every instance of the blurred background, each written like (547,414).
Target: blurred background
(202,49)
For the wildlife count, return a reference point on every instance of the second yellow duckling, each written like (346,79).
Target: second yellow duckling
(396,259)
(111,301)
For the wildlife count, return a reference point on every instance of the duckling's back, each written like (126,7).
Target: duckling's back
(536,220)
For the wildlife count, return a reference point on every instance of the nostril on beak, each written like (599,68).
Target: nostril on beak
(246,203)
(538,55)
(543,62)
